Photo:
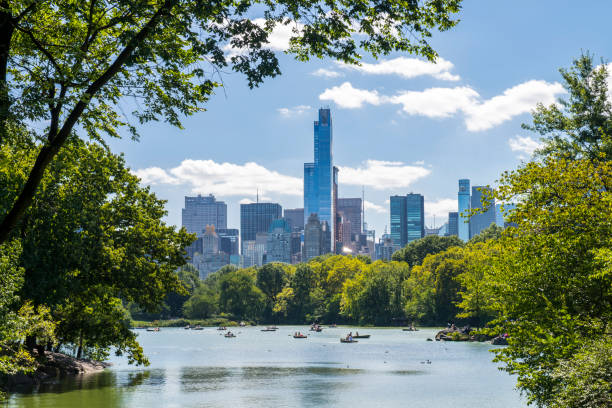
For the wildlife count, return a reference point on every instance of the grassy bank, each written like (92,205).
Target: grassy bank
(211,322)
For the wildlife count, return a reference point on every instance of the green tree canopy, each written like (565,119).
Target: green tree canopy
(581,125)
(415,252)
(93,236)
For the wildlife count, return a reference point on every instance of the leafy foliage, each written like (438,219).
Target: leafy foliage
(415,252)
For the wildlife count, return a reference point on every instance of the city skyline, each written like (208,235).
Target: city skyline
(402,145)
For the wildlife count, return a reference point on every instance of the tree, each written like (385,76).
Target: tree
(18,320)
(72,63)
(579,127)
(92,238)
(239,295)
(552,277)
(432,288)
(415,252)
(477,300)
(373,296)
(202,304)
(492,232)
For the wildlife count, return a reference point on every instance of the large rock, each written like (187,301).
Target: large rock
(56,365)
(499,341)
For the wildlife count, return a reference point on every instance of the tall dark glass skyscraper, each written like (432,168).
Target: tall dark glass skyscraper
(257,217)
(398,224)
(453,219)
(463,226)
(415,217)
(407,218)
(319,176)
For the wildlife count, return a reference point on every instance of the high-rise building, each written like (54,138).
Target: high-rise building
(463,226)
(407,218)
(228,241)
(257,218)
(296,246)
(481,220)
(453,218)
(352,211)
(317,238)
(202,211)
(278,245)
(210,258)
(320,177)
(415,216)
(295,218)
(398,234)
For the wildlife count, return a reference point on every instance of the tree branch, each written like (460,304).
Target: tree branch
(50,150)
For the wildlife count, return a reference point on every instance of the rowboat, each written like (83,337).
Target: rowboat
(153,329)
(229,334)
(299,336)
(361,336)
(348,341)
(222,328)
(197,328)
(267,329)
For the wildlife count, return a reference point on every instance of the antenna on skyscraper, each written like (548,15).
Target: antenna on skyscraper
(363,206)
(257,195)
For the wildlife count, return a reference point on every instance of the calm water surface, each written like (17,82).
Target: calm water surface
(271,369)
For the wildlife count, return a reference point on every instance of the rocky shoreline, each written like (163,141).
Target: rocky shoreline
(54,366)
(465,334)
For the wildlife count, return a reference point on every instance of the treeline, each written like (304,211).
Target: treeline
(422,285)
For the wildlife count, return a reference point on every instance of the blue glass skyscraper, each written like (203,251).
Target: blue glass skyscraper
(319,176)
(407,219)
(463,226)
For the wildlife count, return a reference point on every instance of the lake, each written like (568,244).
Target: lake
(272,369)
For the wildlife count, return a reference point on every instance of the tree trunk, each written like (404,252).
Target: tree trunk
(80,348)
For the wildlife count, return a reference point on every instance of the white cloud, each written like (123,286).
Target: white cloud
(514,101)
(440,208)
(524,145)
(294,111)
(446,102)
(348,97)
(374,207)
(224,179)
(435,102)
(155,175)
(407,68)
(382,175)
(327,73)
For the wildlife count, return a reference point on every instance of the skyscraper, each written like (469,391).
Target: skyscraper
(257,217)
(320,176)
(352,211)
(202,211)
(407,218)
(480,221)
(463,226)
(453,219)
(278,245)
(398,216)
(415,217)
(228,241)
(295,218)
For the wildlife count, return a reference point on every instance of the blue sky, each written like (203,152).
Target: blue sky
(400,125)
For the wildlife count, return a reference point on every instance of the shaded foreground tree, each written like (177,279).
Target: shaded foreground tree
(71,64)
(93,238)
